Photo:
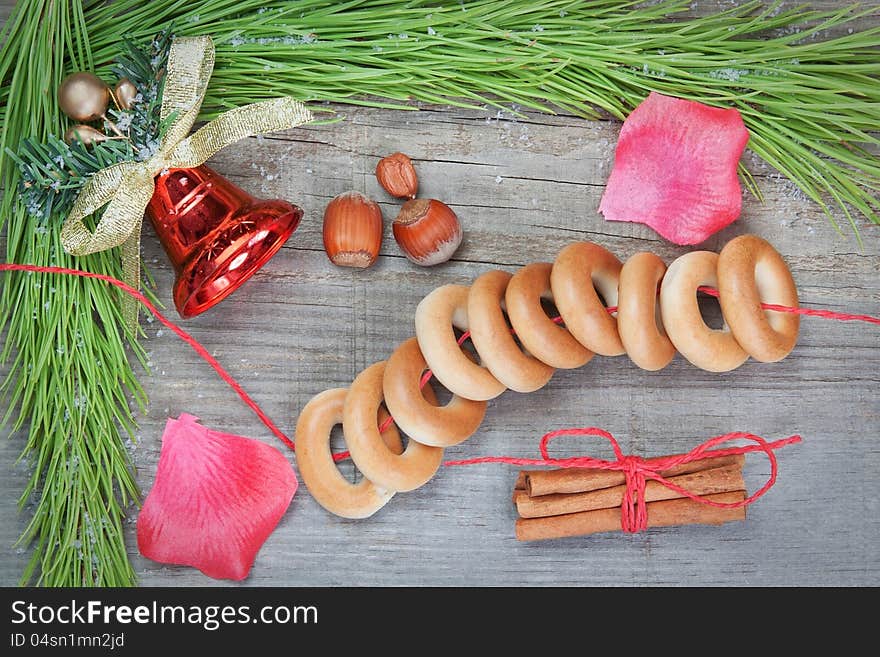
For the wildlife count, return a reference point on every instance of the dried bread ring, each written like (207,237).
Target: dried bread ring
(493,340)
(638,313)
(436,314)
(319,472)
(421,420)
(540,335)
(578,272)
(750,272)
(397,472)
(707,348)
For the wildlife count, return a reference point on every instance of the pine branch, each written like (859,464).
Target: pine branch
(70,381)
(810,101)
(144,66)
(52,173)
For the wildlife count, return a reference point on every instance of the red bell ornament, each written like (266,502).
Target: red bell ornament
(215,234)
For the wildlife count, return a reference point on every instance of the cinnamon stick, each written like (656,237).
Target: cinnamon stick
(660,514)
(579,480)
(520,485)
(704,482)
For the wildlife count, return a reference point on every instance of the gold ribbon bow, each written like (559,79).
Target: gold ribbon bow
(126,188)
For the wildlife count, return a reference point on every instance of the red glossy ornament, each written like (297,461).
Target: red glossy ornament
(215,234)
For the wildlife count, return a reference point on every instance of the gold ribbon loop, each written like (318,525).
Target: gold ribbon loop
(190,64)
(102,188)
(126,188)
(234,125)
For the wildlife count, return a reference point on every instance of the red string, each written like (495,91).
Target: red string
(812,312)
(183,335)
(636,470)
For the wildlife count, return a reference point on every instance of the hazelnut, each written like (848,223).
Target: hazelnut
(427,231)
(397,176)
(352,230)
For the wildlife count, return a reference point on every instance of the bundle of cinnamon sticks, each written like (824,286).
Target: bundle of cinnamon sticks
(581,501)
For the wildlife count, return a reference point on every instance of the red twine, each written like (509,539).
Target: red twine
(811,312)
(636,469)
(634,515)
(183,335)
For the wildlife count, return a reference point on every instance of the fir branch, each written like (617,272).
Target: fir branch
(811,102)
(53,173)
(70,382)
(145,66)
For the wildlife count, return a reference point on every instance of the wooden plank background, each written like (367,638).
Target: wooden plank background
(523,188)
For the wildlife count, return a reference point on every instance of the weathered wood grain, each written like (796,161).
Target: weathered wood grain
(523,188)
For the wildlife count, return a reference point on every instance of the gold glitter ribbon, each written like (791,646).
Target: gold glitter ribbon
(126,188)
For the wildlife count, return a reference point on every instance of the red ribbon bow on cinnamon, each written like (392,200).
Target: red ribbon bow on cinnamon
(637,470)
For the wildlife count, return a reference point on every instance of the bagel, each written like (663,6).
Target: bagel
(578,272)
(436,314)
(421,420)
(715,350)
(750,272)
(540,335)
(638,313)
(319,472)
(390,471)
(493,339)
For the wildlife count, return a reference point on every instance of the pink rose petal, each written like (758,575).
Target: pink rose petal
(216,499)
(675,169)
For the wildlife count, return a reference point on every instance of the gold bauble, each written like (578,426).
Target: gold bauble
(83,96)
(84,133)
(125,93)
